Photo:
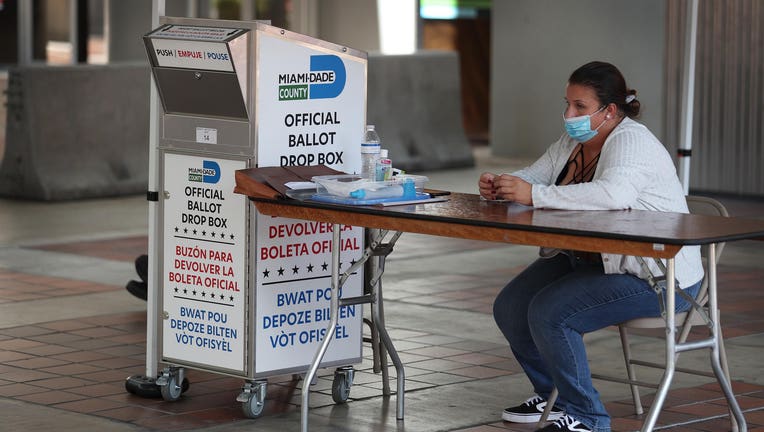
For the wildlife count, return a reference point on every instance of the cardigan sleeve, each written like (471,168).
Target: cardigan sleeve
(544,170)
(627,167)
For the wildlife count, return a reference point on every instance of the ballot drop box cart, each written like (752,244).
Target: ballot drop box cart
(239,293)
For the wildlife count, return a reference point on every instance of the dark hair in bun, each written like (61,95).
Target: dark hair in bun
(609,86)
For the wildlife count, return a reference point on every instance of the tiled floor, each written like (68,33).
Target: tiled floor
(122,249)
(79,365)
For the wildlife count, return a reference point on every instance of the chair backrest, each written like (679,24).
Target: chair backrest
(709,207)
(701,206)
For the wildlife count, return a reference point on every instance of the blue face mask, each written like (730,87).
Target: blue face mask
(580,128)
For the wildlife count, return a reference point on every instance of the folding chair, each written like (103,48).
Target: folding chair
(684,322)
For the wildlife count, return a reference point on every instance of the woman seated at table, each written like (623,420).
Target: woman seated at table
(605,161)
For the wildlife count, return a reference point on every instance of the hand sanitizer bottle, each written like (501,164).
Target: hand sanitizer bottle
(384,166)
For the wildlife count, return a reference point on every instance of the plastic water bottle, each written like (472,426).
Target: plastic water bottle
(370,147)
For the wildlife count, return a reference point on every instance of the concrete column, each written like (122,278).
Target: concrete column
(128,21)
(24,49)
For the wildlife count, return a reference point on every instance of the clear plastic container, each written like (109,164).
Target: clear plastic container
(343,185)
(340,185)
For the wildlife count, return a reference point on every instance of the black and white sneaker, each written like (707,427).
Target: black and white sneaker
(565,423)
(530,411)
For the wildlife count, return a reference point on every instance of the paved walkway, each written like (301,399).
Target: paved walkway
(70,334)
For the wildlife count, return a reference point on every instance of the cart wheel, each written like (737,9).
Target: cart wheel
(147,387)
(172,391)
(340,388)
(252,398)
(253,407)
(143,386)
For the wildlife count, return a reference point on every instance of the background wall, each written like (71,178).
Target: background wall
(536,44)
(351,23)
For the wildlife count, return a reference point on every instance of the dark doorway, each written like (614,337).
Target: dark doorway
(468,32)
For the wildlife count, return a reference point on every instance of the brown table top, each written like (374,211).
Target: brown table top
(632,232)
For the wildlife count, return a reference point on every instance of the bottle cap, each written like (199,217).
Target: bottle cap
(369,127)
(383,153)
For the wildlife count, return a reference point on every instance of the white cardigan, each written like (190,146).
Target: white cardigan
(634,172)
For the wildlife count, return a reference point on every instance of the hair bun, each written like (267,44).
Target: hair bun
(631,95)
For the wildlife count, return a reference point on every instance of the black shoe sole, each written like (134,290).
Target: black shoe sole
(138,289)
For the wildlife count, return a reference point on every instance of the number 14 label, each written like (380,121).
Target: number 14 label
(206,135)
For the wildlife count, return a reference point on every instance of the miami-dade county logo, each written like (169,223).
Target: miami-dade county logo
(325,80)
(208,173)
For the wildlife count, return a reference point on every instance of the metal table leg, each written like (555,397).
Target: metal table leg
(378,318)
(715,361)
(673,349)
(333,315)
(668,373)
(379,250)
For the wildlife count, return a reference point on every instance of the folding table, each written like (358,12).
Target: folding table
(646,234)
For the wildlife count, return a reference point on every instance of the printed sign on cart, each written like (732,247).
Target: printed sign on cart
(315,115)
(192,54)
(316,106)
(204,275)
(294,290)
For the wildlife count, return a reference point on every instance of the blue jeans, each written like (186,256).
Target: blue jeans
(545,311)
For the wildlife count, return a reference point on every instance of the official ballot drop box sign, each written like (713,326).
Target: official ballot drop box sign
(243,293)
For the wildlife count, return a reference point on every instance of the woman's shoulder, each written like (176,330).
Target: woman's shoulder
(630,125)
(630,131)
(634,140)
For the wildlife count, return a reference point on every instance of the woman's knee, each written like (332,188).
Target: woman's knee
(503,306)
(510,308)
(545,317)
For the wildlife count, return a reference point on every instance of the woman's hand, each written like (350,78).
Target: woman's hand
(511,188)
(485,185)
